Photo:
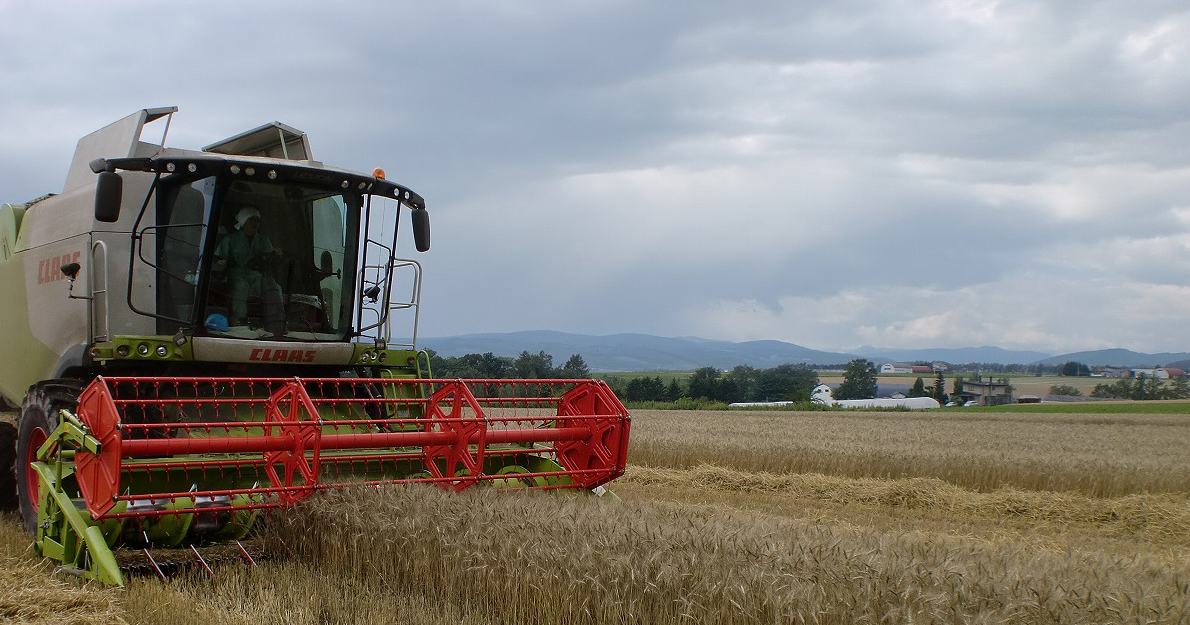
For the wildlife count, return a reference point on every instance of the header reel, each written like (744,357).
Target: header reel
(182,461)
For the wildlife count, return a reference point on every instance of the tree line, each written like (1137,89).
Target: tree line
(1143,387)
(743,383)
(788,382)
(489,366)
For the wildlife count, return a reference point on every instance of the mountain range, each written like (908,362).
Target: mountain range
(646,352)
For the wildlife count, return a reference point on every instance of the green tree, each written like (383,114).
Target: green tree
(747,383)
(859,380)
(675,390)
(656,389)
(1073,369)
(726,390)
(646,389)
(539,365)
(1120,389)
(436,362)
(918,389)
(635,390)
(939,391)
(1141,387)
(487,365)
(703,383)
(575,368)
(787,382)
(470,366)
(1065,389)
(1179,388)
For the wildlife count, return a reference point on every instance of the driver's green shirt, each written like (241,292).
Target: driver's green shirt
(241,251)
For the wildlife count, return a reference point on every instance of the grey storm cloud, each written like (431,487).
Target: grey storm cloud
(902,174)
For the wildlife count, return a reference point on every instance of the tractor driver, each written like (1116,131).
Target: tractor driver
(241,255)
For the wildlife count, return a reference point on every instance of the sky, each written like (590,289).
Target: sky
(907,174)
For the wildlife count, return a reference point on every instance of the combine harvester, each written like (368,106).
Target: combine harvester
(195,337)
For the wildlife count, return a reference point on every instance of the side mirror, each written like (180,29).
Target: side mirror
(421,229)
(71,271)
(109,192)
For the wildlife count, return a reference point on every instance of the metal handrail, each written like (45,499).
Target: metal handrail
(96,294)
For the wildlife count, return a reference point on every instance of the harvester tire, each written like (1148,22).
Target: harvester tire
(39,418)
(8,454)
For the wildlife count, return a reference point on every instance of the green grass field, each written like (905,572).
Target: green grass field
(625,376)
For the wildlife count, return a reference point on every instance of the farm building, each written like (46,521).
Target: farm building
(986,393)
(1160,373)
(896,367)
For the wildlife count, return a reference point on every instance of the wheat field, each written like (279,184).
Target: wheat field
(728,518)
(1095,454)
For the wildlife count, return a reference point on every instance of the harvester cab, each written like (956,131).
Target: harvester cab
(197,336)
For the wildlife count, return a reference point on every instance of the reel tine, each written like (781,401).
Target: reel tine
(154,563)
(202,560)
(247,555)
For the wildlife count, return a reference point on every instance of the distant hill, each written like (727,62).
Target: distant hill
(1119,358)
(635,352)
(645,352)
(959,355)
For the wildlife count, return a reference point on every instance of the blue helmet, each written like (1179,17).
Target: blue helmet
(216,322)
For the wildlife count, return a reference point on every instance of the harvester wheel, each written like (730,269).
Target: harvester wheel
(39,418)
(8,454)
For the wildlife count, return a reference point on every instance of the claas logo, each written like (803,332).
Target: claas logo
(50,269)
(282,355)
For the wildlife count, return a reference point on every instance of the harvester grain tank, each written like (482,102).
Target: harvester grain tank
(195,337)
